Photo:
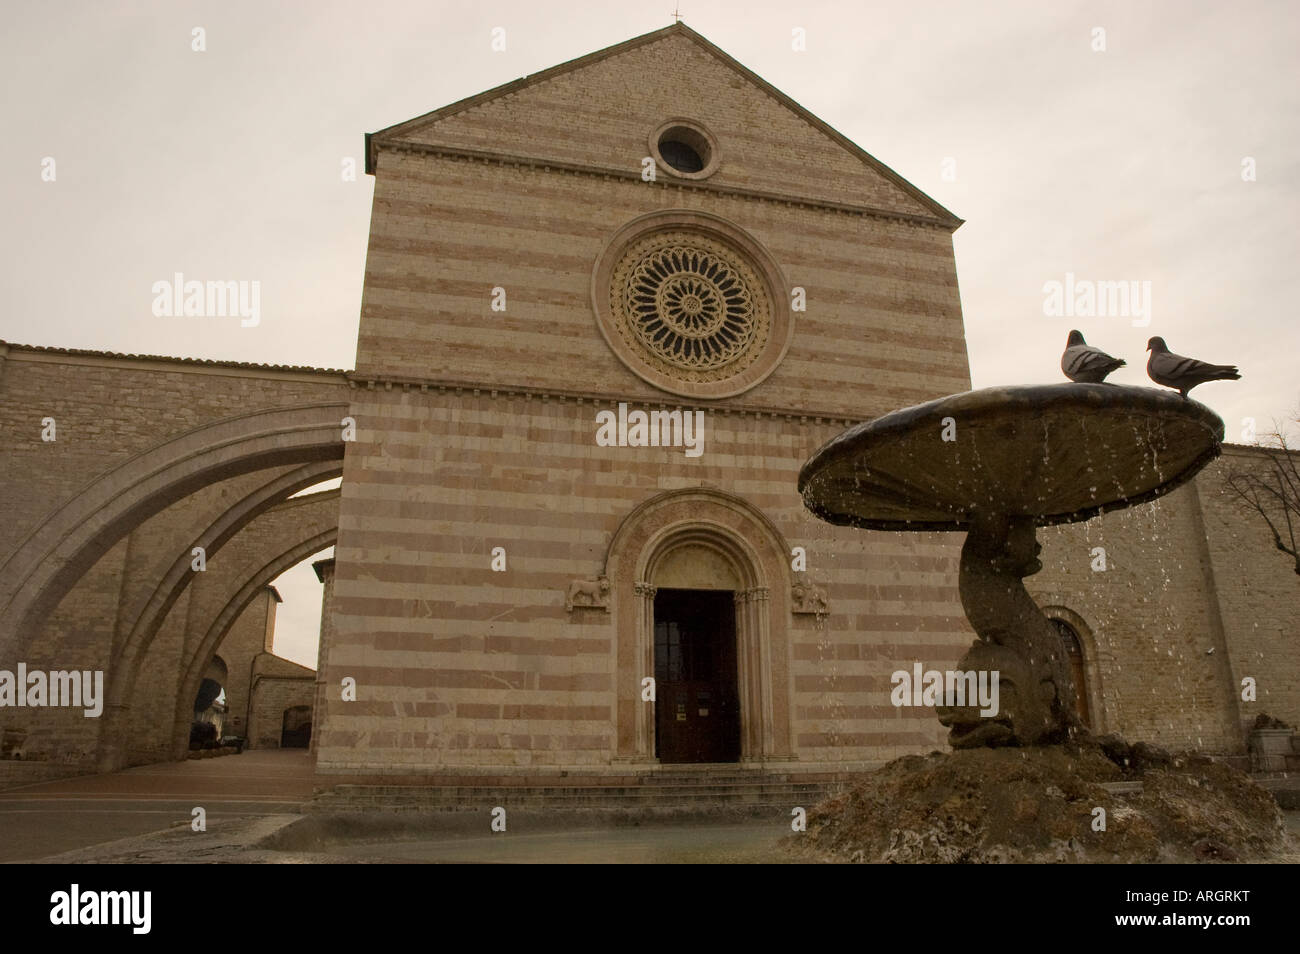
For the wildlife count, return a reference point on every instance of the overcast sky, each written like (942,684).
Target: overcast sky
(1117,165)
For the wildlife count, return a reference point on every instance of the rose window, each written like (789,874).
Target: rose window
(690,303)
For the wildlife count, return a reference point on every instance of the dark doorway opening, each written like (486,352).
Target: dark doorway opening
(697,706)
(295,729)
(1074,652)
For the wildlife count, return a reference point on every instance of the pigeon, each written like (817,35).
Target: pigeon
(1183,374)
(1085,364)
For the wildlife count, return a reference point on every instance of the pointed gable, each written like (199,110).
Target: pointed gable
(766,142)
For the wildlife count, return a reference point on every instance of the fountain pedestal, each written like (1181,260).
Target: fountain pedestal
(1016,640)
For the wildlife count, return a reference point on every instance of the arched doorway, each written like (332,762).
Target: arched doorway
(711,547)
(1078,671)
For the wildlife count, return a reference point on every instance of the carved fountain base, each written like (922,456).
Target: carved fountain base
(1036,695)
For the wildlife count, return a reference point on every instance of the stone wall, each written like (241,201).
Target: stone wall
(1151,634)
(112,411)
(1258,593)
(882,327)
(277,685)
(459,665)
(597,113)
(110,407)
(1194,598)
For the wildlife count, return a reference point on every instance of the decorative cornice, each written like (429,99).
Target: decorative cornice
(461,388)
(466,154)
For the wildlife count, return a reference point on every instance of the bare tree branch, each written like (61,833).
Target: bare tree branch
(1270,487)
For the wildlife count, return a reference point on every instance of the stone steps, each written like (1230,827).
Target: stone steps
(656,791)
(700,794)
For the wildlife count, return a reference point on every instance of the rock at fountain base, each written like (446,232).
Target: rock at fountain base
(1037,805)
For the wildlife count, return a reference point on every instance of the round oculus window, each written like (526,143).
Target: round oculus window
(680,156)
(684,149)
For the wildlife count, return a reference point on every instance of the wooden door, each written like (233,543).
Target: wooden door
(697,710)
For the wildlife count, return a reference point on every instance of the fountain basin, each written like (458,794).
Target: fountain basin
(1053,453)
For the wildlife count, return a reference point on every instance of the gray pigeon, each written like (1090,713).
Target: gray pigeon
(1085,364)
(1183,374)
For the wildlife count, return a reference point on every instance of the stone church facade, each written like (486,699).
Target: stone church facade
(609,310)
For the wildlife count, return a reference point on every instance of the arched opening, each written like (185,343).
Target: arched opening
(298,619)
(701,547)
(71,539)
(115,745)
(333,483)
(254,584)
(273,644)
(209,720)
(1078,671)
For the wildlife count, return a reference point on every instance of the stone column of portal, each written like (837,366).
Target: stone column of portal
(745,669)
(760,604)
(325,573)
(755,672)
(645,644)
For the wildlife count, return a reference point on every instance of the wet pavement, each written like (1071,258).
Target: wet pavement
(741,844)
(46,818)
(255,802)
(549,840)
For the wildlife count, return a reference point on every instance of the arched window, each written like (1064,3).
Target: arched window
(1074,652)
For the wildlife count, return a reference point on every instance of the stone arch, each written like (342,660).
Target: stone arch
(1091,651)
(751,546)
(217,668)
(74,536)
(114,726)
(215,672)
(180,574)
(236,604)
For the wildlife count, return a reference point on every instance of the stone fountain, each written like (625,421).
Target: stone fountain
(1027,782)
(999,463)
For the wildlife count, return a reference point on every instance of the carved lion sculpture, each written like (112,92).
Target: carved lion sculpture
(809,598)
(593,593)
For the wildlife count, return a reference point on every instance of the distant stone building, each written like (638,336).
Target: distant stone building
(265,693)
(609,310)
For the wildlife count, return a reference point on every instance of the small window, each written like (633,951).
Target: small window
(685,148)
(680,156)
